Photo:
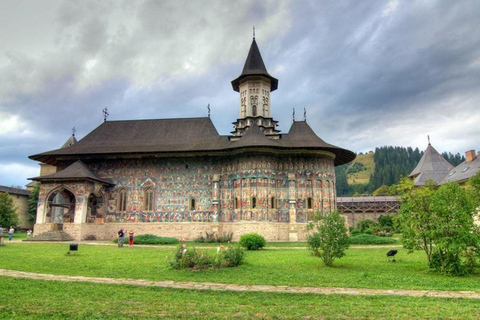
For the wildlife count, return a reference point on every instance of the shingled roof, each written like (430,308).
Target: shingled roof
(463,172)
(254,66)
(184,135)
(432,166)
(76,171)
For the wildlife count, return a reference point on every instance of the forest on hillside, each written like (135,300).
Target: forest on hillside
(391,164)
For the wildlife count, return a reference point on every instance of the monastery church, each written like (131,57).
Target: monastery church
(181,178)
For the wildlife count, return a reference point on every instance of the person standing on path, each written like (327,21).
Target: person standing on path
(130,238)
(121,237)
(10,233)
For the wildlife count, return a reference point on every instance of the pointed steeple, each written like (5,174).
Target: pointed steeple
(254,66)
(432,166)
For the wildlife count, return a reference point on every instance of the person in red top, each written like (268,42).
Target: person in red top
(130,238)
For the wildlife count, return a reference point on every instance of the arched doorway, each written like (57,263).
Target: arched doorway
(61,207)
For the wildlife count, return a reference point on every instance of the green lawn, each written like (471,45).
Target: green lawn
(37,299)
(360,268)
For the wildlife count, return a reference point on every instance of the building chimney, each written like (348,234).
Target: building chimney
(470,155)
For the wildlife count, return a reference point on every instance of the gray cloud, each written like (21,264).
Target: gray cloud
(368,73)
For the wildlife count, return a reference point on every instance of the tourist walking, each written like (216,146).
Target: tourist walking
(10,233)
(29,233)
(121,237)
(130,238)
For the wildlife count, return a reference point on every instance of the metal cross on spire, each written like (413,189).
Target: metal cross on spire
(105,114)
(428,137)
(73,131)
(293,115)
(253,32)
(208,110)
(304,114)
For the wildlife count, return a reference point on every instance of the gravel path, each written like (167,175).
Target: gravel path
(237,287)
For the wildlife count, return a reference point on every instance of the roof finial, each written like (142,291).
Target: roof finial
(428,137)
(253,32)
(304,114)
(73,131)
(293,115)
(208,110)
(105,114)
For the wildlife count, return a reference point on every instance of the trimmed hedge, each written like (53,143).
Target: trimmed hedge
(151,239)
(370,239)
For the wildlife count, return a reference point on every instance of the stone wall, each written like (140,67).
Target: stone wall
(277,231)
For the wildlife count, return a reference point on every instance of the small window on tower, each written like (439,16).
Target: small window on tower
(192,205)
(272,202)
(254,202)
(254,111)
(309,203)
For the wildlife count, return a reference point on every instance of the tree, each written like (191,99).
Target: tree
(415,216)
(8,216)
(33,203)
(440,222)
(455,233)
(329,239)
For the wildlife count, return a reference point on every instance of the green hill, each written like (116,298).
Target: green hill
(386,166)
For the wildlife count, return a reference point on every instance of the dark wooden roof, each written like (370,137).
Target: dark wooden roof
(184,135)
(254,66)
(76,171)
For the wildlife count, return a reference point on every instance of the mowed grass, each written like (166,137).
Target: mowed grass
(37,299)
(360,268)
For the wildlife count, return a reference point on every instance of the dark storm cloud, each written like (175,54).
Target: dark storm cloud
(369,73)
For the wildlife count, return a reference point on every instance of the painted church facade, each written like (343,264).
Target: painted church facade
(180,178)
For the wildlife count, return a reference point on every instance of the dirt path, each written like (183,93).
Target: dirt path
(237,287)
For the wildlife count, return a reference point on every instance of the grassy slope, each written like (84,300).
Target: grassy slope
(362,177)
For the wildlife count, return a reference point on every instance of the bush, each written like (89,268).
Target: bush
(198,259)
(252,241)
(152,239)
(354,231)
(329,239)
(365,224)
(370,239)
(90,237)
(215,238)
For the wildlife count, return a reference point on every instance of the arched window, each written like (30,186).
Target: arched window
(309,203)
(254,202)
(235,203)
(122,200)
(148,205)
(192,204)
(254,111)
(272,203)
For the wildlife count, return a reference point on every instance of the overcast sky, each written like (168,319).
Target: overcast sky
(369,73)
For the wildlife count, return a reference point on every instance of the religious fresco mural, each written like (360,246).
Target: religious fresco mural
(251,188)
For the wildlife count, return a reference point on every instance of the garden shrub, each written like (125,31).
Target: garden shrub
(252,241)
(198,259)
(354,231)
(370,239)
(215,238)
(152,239)
(365,224)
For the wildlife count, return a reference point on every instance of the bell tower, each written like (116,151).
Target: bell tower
(255,85)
